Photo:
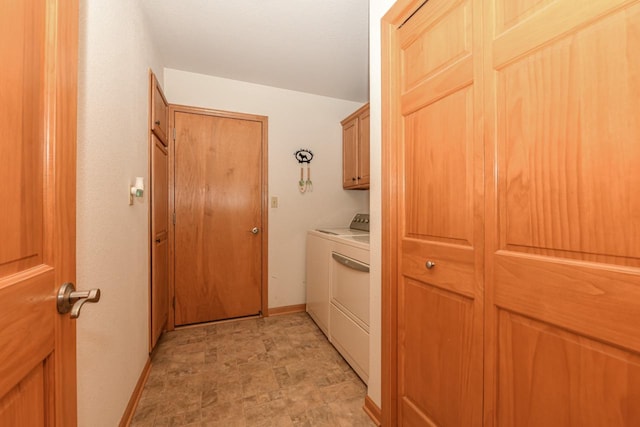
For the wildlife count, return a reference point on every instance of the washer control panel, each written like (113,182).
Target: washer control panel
(360,222)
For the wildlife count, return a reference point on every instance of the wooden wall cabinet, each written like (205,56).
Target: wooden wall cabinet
(159,112)
(355,150)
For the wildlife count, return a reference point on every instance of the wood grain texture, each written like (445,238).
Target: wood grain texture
(23,43)
(573,168)
(390,72)
(355,150)
(62,91)
(439,170)
(373,410)
(364,175)
(159,292)
(159,188)
(159,112)
(39,43)
(438,41)
(130,410)
(25,404)
(350,153)
(440,178)
(287,309)
(25,310)
(509,13)
(219,198)
(562,260)
(551,377)
(436,356)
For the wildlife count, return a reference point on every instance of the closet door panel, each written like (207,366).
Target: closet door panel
(438,327)
(550,377)
(564,291)
(435,40)
(439,285)
(438,170)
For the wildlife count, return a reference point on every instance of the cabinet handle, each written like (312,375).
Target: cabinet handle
(353,179)
(430,264)
(157,122)
(359,177)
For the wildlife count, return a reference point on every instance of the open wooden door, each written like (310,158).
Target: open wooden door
(38,91)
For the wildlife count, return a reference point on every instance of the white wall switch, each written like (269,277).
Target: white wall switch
(274,201)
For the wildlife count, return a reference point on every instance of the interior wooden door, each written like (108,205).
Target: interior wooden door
(160,236)
(220,225)
(563,261)
(38,92)
(438,161)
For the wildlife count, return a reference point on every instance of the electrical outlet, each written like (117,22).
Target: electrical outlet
(274,201)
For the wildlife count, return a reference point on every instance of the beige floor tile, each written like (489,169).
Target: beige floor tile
(276,371)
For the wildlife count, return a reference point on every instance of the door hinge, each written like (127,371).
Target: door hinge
(174,218)
(174,134)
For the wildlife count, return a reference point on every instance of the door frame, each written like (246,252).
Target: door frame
(264,200)
(400,12)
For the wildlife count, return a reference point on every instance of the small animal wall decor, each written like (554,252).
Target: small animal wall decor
(303,156)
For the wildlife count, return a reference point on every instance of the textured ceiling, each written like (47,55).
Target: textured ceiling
(314,46)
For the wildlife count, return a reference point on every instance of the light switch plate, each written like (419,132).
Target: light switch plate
(274,201)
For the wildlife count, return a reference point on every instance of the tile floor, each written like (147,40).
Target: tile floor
(276,371)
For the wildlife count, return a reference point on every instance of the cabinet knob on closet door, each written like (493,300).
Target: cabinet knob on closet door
(430,265)
(353,179)
(157,122)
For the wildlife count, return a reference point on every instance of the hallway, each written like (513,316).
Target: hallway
(275,371)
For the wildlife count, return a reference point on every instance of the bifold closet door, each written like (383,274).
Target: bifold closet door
(439,228)
(563,284)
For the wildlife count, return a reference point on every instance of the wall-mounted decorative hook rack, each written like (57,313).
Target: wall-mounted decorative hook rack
(303,156)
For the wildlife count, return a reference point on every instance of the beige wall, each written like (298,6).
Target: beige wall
(112,251)
(296,120)
(377,8)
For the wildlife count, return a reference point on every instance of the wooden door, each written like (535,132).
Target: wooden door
(160,236)
(38,81)
(220,190)
(563,258)
(434,218)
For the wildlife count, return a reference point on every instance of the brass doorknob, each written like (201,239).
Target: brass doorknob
(430,265)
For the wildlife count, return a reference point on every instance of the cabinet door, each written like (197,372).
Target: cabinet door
(440,217)
(363,149)
(350,153)
(159,111)
(159,245)
(563,258)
